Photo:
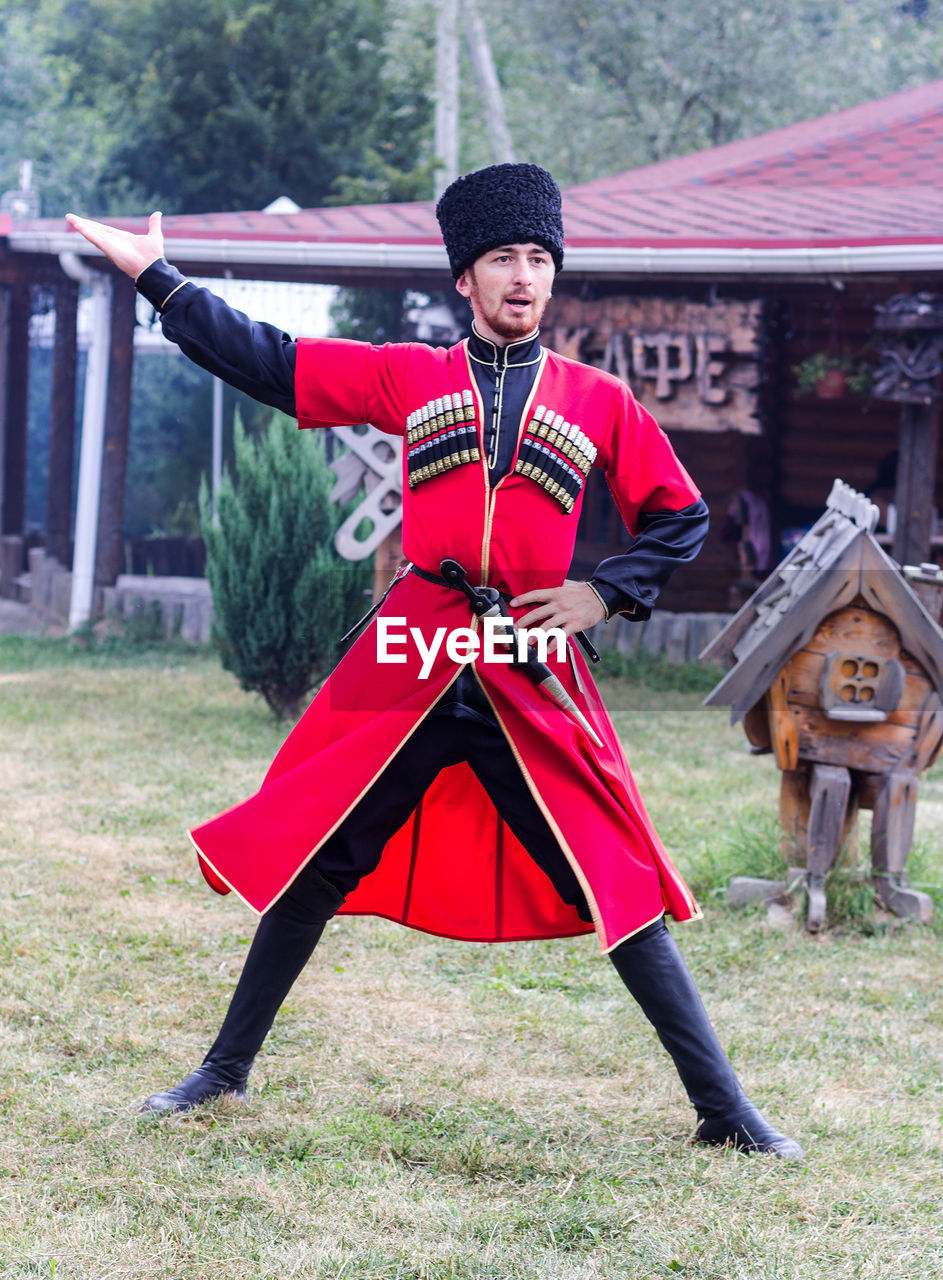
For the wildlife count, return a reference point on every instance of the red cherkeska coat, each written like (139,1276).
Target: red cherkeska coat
(455,869)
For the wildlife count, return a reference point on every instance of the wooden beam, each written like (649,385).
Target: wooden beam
(489,88)
(892,832)
(446,94)
(15,413)
(829,792)
(892,829)
(916,472)
(783,732)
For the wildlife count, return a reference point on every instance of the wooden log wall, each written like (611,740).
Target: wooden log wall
(815,440)
(800,445)
(696,362)
(719,471)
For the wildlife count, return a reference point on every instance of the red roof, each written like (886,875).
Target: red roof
(867,175)
(870,175)
(357,224)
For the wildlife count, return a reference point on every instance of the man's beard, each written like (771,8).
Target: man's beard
(514,326)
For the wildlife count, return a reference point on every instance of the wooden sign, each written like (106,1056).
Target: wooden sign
(695,365)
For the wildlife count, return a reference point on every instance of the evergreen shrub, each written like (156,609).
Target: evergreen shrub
(282,596)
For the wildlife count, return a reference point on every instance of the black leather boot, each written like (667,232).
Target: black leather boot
(284,940)
(199,1087)
(653,969)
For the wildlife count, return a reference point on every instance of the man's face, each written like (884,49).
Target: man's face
(508,289)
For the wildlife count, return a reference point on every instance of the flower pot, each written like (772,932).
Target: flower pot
(832,385)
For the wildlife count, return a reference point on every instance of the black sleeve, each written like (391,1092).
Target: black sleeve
(629,584)
(255,358)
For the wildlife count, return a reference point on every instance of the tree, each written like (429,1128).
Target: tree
(282,595)
(67,146)
(377,314)
(612,84)
(230,103)
(128,103)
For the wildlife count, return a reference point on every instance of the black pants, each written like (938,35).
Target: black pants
(462,728)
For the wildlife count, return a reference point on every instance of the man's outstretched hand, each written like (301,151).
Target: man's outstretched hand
(130,253)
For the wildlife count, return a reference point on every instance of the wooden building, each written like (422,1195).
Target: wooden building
(705,281)
(836,667)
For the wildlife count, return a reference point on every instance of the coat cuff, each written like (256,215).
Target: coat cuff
(158,282)
(616,602)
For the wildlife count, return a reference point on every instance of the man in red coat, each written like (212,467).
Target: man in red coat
(430,781)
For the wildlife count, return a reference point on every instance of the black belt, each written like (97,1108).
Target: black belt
(427,576)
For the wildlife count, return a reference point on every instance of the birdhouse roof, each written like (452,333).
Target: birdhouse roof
(837,561)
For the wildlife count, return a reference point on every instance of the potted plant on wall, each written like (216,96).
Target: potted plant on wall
(829,375)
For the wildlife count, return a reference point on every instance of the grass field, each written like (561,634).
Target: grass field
(426,1109)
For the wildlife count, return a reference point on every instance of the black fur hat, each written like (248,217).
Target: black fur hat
(502,204)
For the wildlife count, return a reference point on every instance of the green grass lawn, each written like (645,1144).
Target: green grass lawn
(427,1109)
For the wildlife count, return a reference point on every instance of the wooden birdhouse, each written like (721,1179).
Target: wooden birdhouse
(836,667)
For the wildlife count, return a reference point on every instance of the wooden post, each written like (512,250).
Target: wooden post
(387,559)
(15,413)
(916,473)
(892,832)
(829,792)
(62,424)
(446,94)
(4,373)
(109,560)
(910,330)
(489,89)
